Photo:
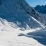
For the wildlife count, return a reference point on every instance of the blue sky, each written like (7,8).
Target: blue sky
(36,2)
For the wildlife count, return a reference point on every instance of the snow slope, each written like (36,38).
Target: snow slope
(19,12)
(9,36)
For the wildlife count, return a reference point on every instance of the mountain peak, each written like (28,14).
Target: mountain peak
(19,11)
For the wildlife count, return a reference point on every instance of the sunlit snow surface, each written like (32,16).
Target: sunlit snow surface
(9,36)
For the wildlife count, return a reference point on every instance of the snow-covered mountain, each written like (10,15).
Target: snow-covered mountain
(19,12)
(15,15)
(9,35)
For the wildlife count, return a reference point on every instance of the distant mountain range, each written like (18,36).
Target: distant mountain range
(41,9)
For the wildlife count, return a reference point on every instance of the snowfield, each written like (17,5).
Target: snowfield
(9,36)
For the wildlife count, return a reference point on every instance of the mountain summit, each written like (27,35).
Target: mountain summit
(19,12)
